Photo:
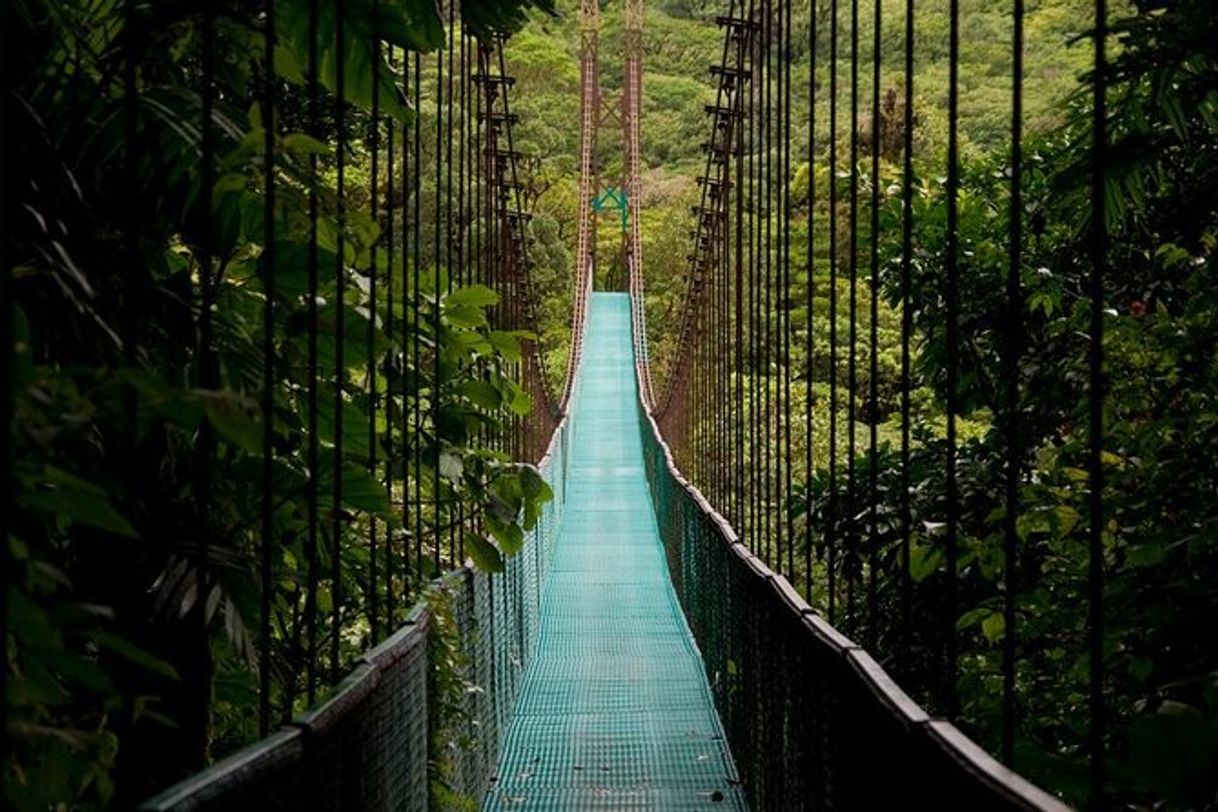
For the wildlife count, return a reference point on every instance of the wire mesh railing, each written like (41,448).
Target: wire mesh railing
(301,330)
(828,397)
(808,713)
(420,720)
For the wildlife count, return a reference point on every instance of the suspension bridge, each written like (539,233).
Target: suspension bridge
(650,640)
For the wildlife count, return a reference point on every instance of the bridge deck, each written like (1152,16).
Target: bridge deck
(614,712)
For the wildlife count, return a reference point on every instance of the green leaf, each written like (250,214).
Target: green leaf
(483,553)
(1065,518)
(23,359)
(363,491)
(233,418)
(1144,555)
(924,560)
(993,627)
(77,501)
(466,317)
(479,296)
(287,67)
(133,653)
(520,404)
(304,145)
(78,671)
(534,485)
(506,345)
(509,535)
(356,426)
(29,622)
(1140,668)
(482,394)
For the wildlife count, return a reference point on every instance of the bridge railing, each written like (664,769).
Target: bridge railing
(375,741)
(813,721)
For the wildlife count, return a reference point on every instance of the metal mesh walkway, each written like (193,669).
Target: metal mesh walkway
(614,712)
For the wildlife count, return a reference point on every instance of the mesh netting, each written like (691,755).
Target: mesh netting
(371,744)
(812,720)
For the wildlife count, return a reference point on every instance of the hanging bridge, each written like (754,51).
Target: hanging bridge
(660,640)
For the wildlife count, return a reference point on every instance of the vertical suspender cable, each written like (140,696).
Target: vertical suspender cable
(831,525)
(370,371)
(312,494)
(7,350)
(906,519)
(268,371)
(340,361)
(742,87)
(476,158)
(1011,353)
(435,314)
(208,365)
(852,534)
(951,315)
(781,418)
(724,365)
(1095,395)
(754,371)
(780,415)
(7,395)
(809,344)
(462,143)
(715,344)
(767,249)
(448,230)
(131,248)
(752,30)
(409,331)
(416,324)
(390,363)
(873,607)
(786,282)
(462,226)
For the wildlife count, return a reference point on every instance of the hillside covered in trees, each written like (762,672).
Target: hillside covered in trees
(680,43)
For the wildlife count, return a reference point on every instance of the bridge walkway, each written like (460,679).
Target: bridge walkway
(615,711)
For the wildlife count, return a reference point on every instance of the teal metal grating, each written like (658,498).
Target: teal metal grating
(614,711)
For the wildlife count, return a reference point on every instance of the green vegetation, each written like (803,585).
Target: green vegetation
(133,653)
(133,567)
(1161,555)
(680,43)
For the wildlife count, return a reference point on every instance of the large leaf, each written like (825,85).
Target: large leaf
(471,296)
(74,501)
(483,553)
(235,418)
(413,25)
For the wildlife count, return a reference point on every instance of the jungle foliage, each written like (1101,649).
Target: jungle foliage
(1161,552)
(133,651)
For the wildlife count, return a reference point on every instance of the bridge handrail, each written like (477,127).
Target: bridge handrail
(367,744)
(784,651)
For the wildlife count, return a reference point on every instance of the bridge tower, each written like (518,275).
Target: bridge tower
(632,103)
(599,111)
(626,197)
(589,93)
(589,77)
